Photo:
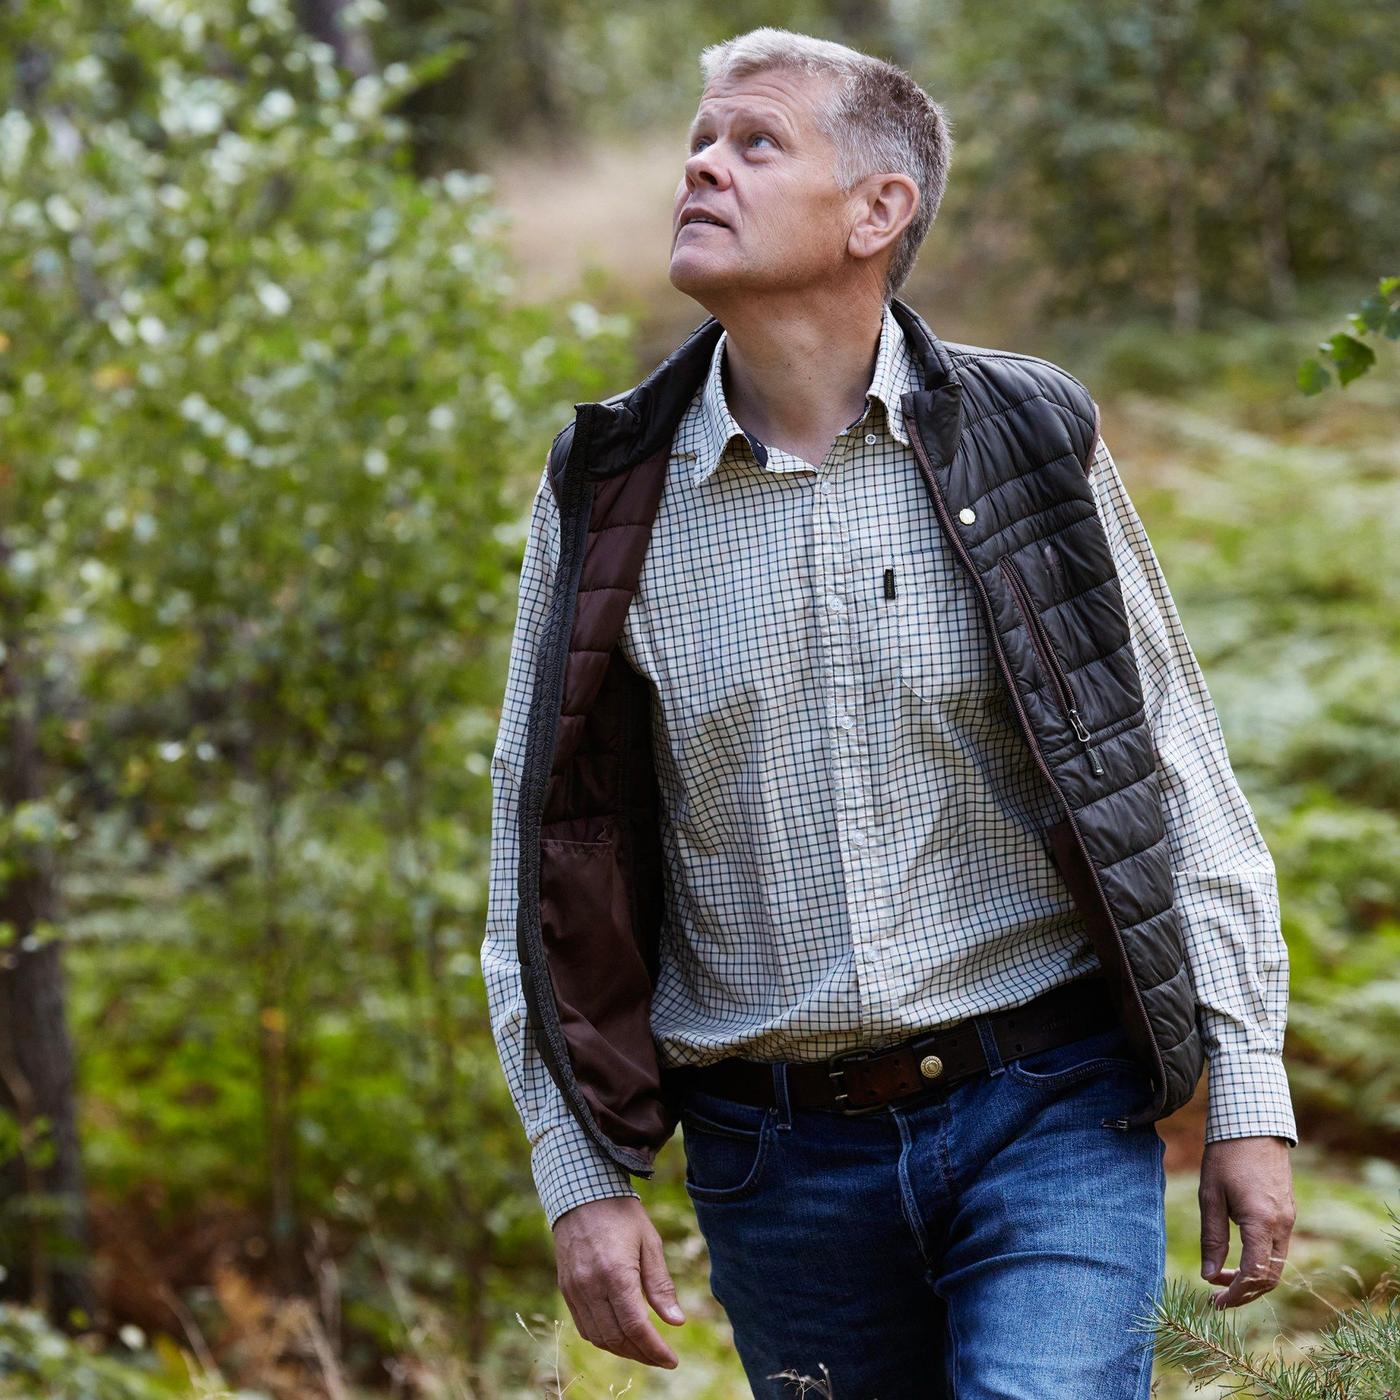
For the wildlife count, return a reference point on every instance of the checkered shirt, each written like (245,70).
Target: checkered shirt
(851,818)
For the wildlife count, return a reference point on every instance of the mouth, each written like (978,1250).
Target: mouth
(702,222)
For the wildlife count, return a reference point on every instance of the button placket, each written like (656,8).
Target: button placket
(877,925)
(869,904)
(843,701)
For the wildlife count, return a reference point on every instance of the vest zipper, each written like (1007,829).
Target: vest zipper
(968,563)
(1049,659)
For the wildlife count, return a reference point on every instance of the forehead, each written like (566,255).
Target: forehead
(777,96)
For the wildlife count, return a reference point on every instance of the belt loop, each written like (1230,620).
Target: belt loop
(987,1036)
(780,1094)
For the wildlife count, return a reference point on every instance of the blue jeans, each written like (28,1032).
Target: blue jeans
(993,1242)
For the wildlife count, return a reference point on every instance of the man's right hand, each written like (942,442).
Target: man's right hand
(610,1265)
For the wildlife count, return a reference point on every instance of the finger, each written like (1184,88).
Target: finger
(586,1319)
(594,1317)
(1270,1266)
(580,1322)
(1215,1231)
(1252,1279)
(629,1309)
(1278,1252)
(1283,1234)
(657,1282)
(588,1301)
(616,1340)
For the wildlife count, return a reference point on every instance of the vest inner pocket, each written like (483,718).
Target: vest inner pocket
(601,984)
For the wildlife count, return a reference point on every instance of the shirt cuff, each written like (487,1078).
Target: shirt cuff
(570,1170)
(1249,1097)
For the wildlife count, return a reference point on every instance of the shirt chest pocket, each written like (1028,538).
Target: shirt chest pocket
(936,636)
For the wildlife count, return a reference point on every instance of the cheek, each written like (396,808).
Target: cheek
(808,224)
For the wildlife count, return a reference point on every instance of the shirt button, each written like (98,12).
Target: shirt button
(834,603)
(859,838)
(870,439)
(825,487)
(846,721)
(967,515)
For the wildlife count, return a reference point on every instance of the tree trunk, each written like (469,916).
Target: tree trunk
(42,1184)
(325,20)
(276,1057)
(1270,196)
(534,42)
(1183,243)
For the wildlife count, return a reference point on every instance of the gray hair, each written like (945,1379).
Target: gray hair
(876,116)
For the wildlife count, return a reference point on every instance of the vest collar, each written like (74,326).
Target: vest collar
(617,433)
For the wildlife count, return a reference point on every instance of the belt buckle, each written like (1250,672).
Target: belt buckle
(838,1073)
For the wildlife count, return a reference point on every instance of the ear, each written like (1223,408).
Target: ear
(887,205)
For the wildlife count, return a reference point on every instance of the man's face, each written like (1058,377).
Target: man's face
(758,162)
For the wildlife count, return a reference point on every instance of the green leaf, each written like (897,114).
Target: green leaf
(1372,314)
(1350,355)
(1312,377)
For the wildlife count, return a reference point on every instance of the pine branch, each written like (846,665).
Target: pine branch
(1200,1339)
(1356,1358)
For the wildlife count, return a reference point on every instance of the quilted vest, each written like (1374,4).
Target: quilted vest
(1003,443)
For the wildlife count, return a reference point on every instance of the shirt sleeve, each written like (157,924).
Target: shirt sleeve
(1224,880)
(568,1167)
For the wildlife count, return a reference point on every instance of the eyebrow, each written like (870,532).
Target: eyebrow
(748,114)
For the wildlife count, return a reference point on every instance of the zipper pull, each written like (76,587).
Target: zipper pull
(1083,734)
(1120,1123)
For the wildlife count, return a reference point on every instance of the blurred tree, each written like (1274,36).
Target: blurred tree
(1164,156)
(272,420)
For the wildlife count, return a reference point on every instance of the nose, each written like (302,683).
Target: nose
(703,169)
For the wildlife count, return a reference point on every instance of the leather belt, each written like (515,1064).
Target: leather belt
(862,1081)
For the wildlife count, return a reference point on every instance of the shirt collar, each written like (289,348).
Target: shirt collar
(708,427)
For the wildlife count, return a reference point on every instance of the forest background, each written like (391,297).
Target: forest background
(295,299)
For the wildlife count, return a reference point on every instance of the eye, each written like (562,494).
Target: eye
(757,136)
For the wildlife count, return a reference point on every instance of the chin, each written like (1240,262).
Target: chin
(691,276)
(697,277)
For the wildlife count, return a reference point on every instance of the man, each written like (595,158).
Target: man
(899,1009)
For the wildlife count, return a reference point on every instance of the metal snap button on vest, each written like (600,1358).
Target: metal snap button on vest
(930,1067)
(967,515)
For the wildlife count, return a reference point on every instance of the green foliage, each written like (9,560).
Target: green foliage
(37,1360)
(1174,160)
(273,417)
(1282,551)
(1358,1354)
(1120,157)
(1379,315)
(273,414)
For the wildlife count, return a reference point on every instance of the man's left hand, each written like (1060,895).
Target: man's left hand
(1248,1180)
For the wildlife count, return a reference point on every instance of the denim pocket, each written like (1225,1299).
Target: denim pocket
(1077,1059)
(726,1144)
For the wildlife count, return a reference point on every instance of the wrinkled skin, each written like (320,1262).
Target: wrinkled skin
(1248,1180)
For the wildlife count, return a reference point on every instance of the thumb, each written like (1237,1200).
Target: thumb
(1215,1234)
(656,1280)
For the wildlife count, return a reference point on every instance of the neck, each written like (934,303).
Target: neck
(796,372)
